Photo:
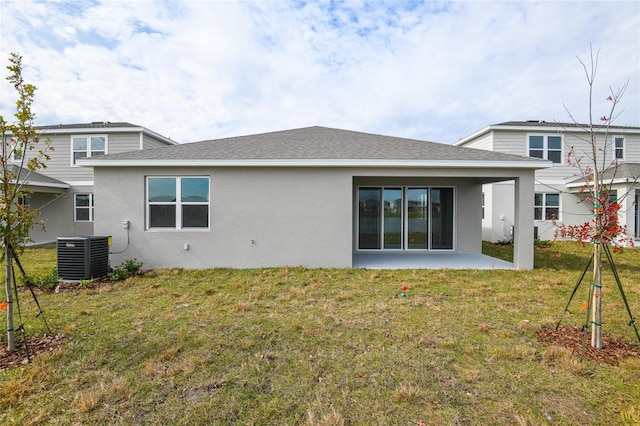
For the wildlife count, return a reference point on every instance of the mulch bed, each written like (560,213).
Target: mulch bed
(35,344)
(613,349)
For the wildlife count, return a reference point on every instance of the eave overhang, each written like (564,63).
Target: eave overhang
(617,181)
(529,164)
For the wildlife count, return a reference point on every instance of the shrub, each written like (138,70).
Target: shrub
(132,266)
(125,270)
(48,281)
(541,243)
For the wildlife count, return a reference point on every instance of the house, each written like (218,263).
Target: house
(558,199)
(312,197)
(63,191)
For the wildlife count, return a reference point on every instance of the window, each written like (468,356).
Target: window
(547,207)
(483,205)
(177,203)
(405,218)
(87,146)
(546,147)
(83,206)
(17,150)
(618,146)
(17,154)
(24,199)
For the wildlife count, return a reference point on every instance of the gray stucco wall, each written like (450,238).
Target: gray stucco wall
(264,216)
(258,217)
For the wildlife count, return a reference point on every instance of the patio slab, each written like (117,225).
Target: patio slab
(428,261)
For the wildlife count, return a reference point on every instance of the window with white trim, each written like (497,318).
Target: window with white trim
(177,202)
(83,207)
(546,147)
(17,150)
(546,206)
(618,146)
(87,146)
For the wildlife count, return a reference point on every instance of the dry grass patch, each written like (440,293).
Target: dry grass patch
(330,418)
(87,401)
(34,379)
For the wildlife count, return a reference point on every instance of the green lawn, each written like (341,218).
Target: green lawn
(326,347)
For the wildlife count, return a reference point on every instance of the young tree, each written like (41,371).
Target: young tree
(22,153)
(598,167)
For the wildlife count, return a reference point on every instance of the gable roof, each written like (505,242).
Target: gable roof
(315,146)
(552,126)
(619,173)
(101,127)
(36,179)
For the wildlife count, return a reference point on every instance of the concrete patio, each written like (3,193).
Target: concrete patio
(428,261)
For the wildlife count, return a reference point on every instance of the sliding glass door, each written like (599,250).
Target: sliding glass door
(369,219)
(417,218)
(393,209)
(405,218)
(442,218)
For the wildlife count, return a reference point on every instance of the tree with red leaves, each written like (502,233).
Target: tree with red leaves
(596,169)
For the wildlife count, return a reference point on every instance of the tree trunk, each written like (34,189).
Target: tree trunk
(11,345)
(596,303)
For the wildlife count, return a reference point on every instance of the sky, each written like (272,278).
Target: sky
(437,71)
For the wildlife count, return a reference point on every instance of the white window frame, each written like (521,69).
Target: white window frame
(13,145)
(88,149)
(544,206)
(615,148)
(545,146)
(178,205)
(90,207)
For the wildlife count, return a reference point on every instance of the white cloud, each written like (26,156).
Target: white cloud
(438,71)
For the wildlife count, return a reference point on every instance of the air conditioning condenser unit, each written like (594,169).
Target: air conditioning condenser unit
(83,258)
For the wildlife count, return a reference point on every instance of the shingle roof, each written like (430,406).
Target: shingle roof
(36,179)
(542,123)
(313,143)
(92,125)
(628,172)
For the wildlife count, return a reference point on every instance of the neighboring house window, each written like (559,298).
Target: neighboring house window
(618,143)
(83,204)
(177,203)
(546,147)
(24,199)
(88,146)
(547,207)
(483,205)
(17,153)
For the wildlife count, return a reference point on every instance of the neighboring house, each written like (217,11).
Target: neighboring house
(63,191)
(557,198)
(313,197)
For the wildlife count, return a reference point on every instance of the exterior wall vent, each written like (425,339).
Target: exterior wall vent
(82,258)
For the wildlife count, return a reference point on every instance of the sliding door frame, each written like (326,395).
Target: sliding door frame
(404,219)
